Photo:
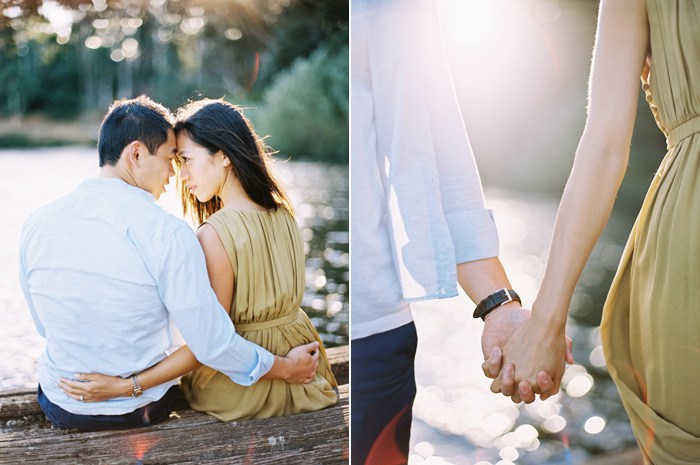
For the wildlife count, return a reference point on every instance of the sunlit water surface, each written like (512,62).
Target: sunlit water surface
(458,420)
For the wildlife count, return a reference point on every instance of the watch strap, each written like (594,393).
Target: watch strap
(495,300)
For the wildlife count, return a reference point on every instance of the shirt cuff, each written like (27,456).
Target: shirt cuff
(265,362)
(474,235)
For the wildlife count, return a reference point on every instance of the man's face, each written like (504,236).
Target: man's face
(156,169)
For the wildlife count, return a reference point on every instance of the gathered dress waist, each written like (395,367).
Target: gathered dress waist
(258,325)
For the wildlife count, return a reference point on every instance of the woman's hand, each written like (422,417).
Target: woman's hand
(500,325)
(533,362)
(96,387)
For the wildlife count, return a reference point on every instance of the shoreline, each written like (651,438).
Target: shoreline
(38,131)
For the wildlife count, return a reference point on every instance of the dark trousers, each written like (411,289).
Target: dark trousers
(150,414)
(382,390)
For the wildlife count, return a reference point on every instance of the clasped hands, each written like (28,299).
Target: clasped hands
(524,356)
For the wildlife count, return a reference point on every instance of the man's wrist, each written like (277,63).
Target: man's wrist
(280,369)
(497,312)
(495,300)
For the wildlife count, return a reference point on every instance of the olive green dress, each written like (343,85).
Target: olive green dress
(267,256)
(651,320)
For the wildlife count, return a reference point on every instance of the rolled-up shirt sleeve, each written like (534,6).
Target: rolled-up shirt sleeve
(474,235)
(471,224)
(186,292)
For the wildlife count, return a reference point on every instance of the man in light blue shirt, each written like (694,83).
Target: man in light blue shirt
(419,223)
(104,270)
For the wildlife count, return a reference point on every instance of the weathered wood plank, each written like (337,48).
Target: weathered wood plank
(19,404)
(339,358)
(194,438)
(628,457)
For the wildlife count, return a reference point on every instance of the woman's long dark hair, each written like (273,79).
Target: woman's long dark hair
(218,125)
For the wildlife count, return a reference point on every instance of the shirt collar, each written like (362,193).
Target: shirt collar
(113,186)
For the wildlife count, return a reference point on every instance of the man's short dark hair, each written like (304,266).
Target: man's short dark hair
(139,119)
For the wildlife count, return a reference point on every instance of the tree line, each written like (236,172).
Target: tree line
(67,58)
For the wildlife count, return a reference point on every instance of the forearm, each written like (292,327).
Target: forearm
(280,369)
(96,387)
(583,212)
(182,361)
(481,278)
(621,48)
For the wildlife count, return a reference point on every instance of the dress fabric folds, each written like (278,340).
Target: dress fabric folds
(267,257)
(651,320)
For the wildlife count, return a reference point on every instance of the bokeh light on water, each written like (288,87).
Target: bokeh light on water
(458,420)
(320,195)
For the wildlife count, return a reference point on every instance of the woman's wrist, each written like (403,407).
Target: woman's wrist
(550,316)
(126,387)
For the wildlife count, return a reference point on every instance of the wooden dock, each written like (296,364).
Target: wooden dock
(628,457)
(188,437)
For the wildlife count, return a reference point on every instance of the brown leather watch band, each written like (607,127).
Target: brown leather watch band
(495,300)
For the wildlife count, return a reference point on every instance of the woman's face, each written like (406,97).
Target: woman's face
(203,173)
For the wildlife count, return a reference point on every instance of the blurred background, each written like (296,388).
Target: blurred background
(521,71)
(63,62)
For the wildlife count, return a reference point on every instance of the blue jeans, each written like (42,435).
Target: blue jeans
(150,414)
(383,388)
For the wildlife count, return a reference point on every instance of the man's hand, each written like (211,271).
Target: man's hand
(298,366)
(499,326)
(304,363)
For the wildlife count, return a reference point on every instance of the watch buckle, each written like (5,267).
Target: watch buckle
(510,297)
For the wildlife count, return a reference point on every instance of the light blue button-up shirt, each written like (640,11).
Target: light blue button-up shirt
(104,270)
(417,202)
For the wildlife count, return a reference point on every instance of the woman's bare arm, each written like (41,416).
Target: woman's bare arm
(622,46)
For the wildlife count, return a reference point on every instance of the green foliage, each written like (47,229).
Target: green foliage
(305,110)
(41,77)
(292,54)
(304,25)
(58,96)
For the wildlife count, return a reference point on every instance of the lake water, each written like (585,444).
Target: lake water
(318,191)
